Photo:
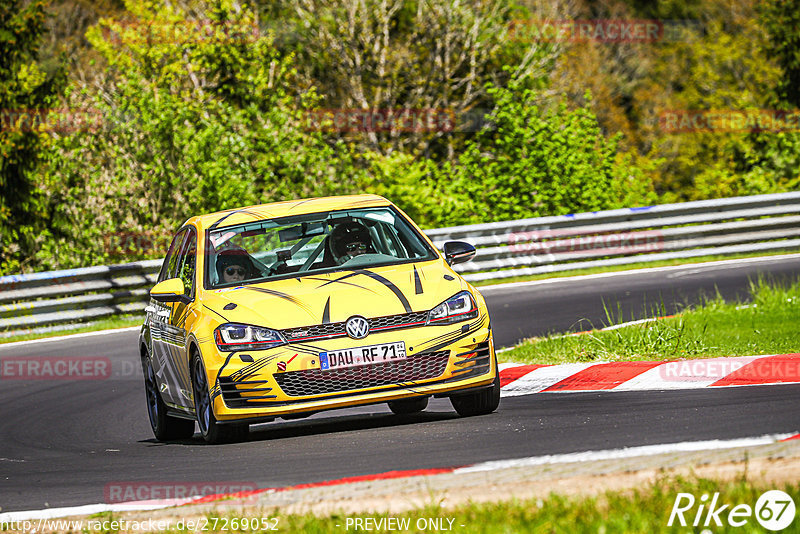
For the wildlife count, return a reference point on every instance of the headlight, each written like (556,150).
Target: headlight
(230,337)
(457,308)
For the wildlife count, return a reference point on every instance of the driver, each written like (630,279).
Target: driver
(234,265)
(348,240)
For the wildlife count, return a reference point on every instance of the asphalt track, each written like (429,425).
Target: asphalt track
(63,443)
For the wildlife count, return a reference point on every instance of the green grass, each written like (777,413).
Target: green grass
(767,325)
(640,510)
(628,267)
(120,321)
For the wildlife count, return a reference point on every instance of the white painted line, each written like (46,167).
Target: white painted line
(503,366)
(542,378)
(69,336)
(645,270)
(628,452)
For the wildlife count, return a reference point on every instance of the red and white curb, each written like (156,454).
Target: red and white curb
(520,379)
(552,459)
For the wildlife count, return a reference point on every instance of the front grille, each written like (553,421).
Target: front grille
(315,382)
(244,393)
(334,330)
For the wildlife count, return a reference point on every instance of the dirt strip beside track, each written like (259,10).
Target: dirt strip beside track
(772,465)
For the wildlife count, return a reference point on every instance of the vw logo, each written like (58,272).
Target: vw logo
(357,327)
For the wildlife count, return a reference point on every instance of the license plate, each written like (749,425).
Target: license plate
(340,359)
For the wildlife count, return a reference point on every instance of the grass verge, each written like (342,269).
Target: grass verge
(767,325)
(119,321)
(644,510)
(637,510)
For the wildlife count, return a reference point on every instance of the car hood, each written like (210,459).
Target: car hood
(336,296)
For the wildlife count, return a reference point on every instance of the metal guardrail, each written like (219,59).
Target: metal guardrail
(763,223)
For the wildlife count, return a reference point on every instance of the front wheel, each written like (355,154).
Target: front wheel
(165,427)
(211,429)
(481,403)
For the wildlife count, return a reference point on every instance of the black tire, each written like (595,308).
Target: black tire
(407,406)
(165,427)
(211,429)
(482,402)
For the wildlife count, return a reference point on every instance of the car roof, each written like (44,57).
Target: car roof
(283,209)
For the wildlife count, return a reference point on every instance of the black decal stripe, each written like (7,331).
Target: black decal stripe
(340,281)
(217,390)
(279,294)
(301,203)
(326,313)
(213,226)
(258,364)
(417,282)
(250,370)
(452,337)
(399,294)
(214,311)
(348,275)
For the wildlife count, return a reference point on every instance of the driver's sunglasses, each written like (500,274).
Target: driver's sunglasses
(352,247)
(235,270)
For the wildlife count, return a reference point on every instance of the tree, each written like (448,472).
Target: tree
(27,97)
(781,19)
(201,113)
(415,61)
(536,161)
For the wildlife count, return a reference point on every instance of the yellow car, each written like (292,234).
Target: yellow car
(288,309)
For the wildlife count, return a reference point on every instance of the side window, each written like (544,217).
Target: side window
(170,261)
(187,263)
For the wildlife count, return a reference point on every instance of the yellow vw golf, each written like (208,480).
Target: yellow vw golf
(288,309)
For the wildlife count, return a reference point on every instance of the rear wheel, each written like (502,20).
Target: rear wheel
(406,406)
(211,429)
(165,427)
(482,402)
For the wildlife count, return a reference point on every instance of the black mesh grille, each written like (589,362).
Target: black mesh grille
(332,330)
(316,382)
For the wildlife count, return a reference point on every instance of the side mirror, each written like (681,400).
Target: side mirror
(168,291)
(458,252)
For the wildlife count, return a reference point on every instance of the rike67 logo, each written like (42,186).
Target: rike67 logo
(774,510)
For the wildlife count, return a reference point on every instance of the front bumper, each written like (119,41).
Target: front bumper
(288,380)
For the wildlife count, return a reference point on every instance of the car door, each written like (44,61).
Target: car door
(180,321)
(161,332)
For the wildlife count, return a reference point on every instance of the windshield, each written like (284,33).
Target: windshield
(317,242)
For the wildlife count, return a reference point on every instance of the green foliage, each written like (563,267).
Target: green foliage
(200,115)
(27,96)
(765,325)
(199,106)
(781,19)
(535,161)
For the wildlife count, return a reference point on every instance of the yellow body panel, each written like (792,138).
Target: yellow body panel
(312,300)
